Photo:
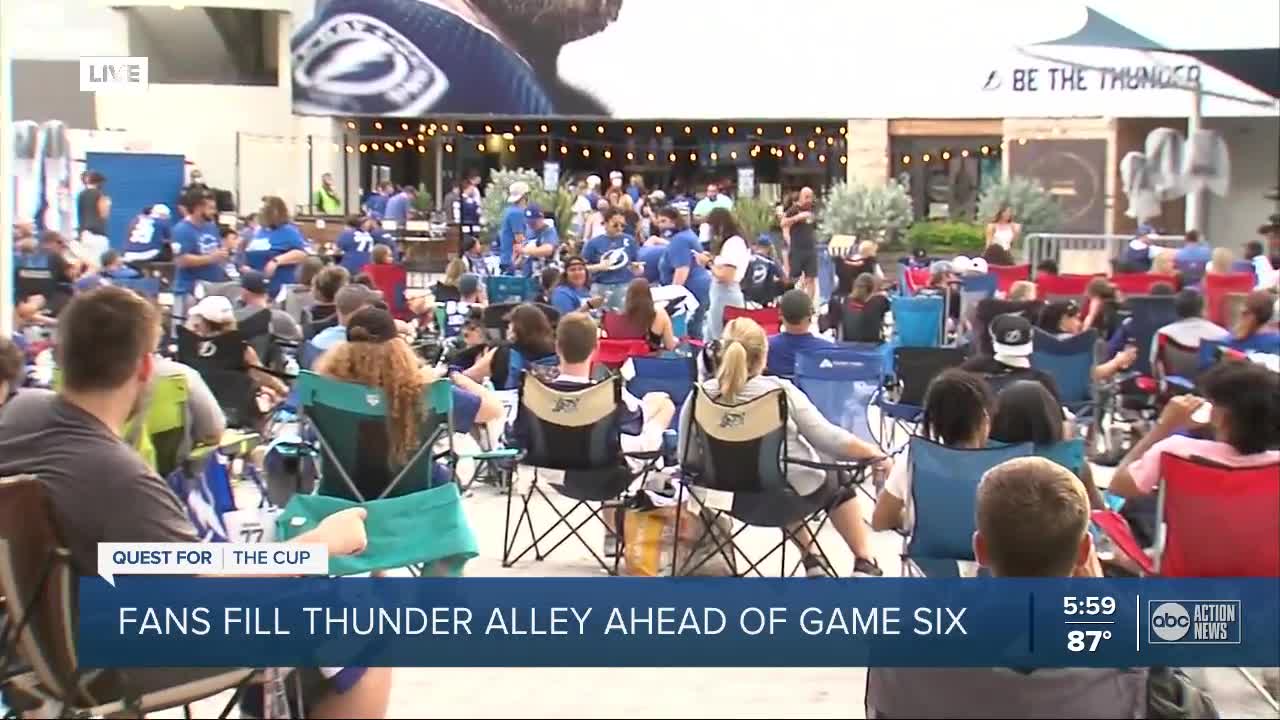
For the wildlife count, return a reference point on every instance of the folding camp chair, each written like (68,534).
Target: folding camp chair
(768,318)
(901,407)
(1070,362)
(578,432)
(1216,287)
(415,515)
(674,376)
(391,281)
(741,449)
(1211,521)
(1061,287)
(612,354)
(973,290)
(1148,313)
(509,288)
(1177,366)
(944,498)
(220,362)
(914,279)
(616,327)
(1141,283)
(1007,275)
(918,321)
(38,583)
(842,382)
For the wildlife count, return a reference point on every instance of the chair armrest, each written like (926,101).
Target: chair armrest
(500,454)
(835,464)
(1115,527)
(1180,382)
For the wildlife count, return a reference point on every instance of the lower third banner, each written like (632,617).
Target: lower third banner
(618,622)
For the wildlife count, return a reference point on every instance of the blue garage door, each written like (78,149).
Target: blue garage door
(135,180)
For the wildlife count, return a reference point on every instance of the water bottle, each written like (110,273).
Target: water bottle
(291,366)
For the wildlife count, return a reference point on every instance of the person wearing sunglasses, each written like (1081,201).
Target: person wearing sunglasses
(1062,320)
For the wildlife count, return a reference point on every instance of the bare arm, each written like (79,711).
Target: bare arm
(669,340)
(490,406)
(680,275)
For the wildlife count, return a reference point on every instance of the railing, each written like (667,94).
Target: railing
(1082,253)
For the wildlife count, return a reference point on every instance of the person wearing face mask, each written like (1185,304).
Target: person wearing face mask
(610,257)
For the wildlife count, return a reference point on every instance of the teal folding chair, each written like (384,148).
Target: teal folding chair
(415,516)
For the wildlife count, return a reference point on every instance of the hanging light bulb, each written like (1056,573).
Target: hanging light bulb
(542,147)
(448,147)
(844,159)
(964,153)
(985,149)
(791,147)
(629,130)
(586,152)
(844,130)
(480,147)
(1004,145)
(812,144)
(946,154)
(409,140)
(458,127)
(715,129)
(573,128)
(733,155)
(511,147)
(831,140)
(906,159)
(755,150)
(364,148)
(672,157)
(488,128)
(924,157)
(687,129)
(715,157)
(404,126)
(693,157)
(759,130)
(374,146)
(378,125)
(430,131)
(399,144)
(516,127)
(599,129)
(1022,141)
(608,153)
(564,150)
(650,157)
(631,156)
(421,136)
(350,149)
(787,130)
(800,156)
(422,149)
(730,129)
(657,129)
(351,125)
(822,158)
(543,127)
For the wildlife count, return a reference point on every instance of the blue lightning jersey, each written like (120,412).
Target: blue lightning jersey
(406,58)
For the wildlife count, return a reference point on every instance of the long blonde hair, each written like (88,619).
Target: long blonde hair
(1163,263)
(1221,261)
(391,367)
(742,355)
(453,271)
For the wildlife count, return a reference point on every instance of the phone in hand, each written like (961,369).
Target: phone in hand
(1202,414)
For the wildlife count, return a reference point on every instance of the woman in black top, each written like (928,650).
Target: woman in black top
(643,320)
(446,289)
(860,316)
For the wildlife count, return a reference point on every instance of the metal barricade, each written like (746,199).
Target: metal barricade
(1082,253)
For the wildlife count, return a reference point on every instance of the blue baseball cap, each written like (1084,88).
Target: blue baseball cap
(764,239)
(1145,229)
(533,212)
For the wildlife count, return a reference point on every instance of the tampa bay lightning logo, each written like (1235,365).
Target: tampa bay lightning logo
(759,272)
(616,259)
(359,64)
(208,244)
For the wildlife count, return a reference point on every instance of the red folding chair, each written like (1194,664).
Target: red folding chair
(1050,287)
(390,281)
(616,327)
(1007,275)
(613,353)
(769,318)
(1141,283)
(1217,286)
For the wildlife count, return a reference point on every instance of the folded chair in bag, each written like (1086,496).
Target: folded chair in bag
(944,496)
(1211,521)
(1070,362)
(842,382)
(768,318)
(900,408)
(415,515)
(203,482)
(39,587)
(741,449)
(577,432)
(918,321)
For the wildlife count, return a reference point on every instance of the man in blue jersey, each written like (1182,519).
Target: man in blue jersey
(376,204)
(398,206)
(609,259)
(410,57)
(513,230)
(679,264)
(148,236)
(197,247)
(357,241)
(540,244)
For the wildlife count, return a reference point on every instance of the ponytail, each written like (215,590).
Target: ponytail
(732,373)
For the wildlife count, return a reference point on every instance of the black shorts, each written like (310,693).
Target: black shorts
(804,261)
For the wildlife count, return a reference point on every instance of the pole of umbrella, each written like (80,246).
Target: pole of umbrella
(1194,219)
(7,191)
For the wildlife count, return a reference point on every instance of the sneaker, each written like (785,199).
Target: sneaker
(813,566)
(863,567)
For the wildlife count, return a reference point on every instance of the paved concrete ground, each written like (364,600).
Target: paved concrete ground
(664,692)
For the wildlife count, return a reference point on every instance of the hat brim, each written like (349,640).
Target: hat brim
(1023,350)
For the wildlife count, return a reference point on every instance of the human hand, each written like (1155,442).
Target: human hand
(1127,357)
(344,532)
(1178,411)
(595,302)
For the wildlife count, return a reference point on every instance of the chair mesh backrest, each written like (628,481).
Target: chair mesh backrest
(739,447)
(917,321)
(220,362)
(1219,522)
(1149,314)
(841,382)
(915,278)
(1069,361)
(29,542)
(1174,358)
(352,421)
(769,318)
(944,493)
(1007,275)
(916,367)
(674,376)
(507,289)
(1216,287)
(617,327)
(1061,286)
(1068,453)
(570,428)
(1191,270)
(1141,283)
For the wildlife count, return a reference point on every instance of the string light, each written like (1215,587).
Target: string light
(799,156)
(946,154)
(599,129)
(543,127)
(374,146)
(788,130)
(759,130)
(1004,145)
(586,152)
(844,131)
(650,157)
(755,150)
(378,125)
(964,153)
(812,144)
(517,127)
(629,130)
(573,128)
(409,140)
(924,157)
(458,127)
(404,126)
(564,150)
(687,129)
(822,158)
(986,149)
(817,130)
(351,125)
(363,147)
(906,159)
(1022,141)
(631,156)
(350,149)
(422,137)
(511,147)
(399,144)
(657,129)
(433,127)
(508,136)
(480,147)
(791,147)
(422,149)
(715,129)
(448,147)
(542,147)
(389,148)
(844,160)
(608,154)
(672,157)
(488,128)
(831,140)
(730,128)
(733,155)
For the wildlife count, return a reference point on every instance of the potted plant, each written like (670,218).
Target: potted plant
(1033,207)
(865,212)
(755,217)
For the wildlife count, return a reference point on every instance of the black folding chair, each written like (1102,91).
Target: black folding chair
(220,362)
(577,431)
(901,407)
(742,449)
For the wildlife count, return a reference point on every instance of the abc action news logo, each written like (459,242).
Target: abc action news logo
(1191,622)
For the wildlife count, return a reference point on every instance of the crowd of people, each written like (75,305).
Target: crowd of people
(647,270)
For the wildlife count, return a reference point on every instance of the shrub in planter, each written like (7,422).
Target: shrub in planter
(1033,207)
(947,238)
(865,212)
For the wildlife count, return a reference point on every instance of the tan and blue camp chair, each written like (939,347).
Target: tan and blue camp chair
(415,515)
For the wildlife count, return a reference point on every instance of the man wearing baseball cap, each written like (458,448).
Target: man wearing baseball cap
(541,243)
(513,229)
(254,299)
(1011,358)
(148,236)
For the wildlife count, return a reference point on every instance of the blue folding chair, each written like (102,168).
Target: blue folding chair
(147,287)
(508,289)
(944,494)
(842,382)
(1149,313)
(1068,453)
(674,376)
(973,290)
(1070,362)
(918,320)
